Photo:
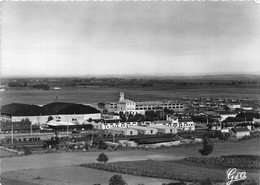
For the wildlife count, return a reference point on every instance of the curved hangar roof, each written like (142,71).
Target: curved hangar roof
(17,109)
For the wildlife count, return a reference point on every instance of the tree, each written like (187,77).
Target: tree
(207,147)
(206,182)
(102,158)
(25,122)
(117,180)
(50,118)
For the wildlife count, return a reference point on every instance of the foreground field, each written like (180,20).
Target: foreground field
(4,153)
(89,95)
(61,167)
(174,170)
(77,176)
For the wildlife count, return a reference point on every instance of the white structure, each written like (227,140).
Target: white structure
(110,117)
(163,123)
(186,124)
(145,130)
(164,129)
(240,132)
(104,126)
(125,105)
(173,119)
(159,105)
(226,114)
(79,118)
(123,131)
(234,106)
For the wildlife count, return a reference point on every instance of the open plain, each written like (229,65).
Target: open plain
(62,168)
(91,95)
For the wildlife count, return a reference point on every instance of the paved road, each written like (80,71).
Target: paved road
(38,161)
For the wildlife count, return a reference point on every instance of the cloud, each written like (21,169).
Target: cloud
(129,37)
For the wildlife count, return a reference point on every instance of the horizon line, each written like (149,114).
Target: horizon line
(257,73)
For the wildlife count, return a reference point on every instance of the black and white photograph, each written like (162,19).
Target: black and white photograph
(135,92)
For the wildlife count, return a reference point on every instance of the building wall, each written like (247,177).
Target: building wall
(189,125)
(224,116)
(130,132)
(165,129)
(241,134)
(154,106)
(145,130)
(68,118)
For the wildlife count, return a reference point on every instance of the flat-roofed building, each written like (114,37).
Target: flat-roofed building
(145,130)
(140,107)
(162,123)
(164,129)
(186,124)
(240,132)
(159,105)
(122,131)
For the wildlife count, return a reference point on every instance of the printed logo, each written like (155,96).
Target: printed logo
(233,175)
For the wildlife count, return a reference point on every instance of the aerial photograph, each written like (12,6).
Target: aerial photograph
(130,92)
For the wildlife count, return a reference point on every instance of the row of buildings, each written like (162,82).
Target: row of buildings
(59,113)
(131,107)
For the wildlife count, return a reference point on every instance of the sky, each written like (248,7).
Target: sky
(129,38)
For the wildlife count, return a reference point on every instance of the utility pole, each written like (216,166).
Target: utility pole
(31,129)
(12,133)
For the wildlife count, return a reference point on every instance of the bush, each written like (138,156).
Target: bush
(245,182)
(207,147)
(206,182)
(231,161)
(102,158)
(27,151)
(175,183)
(117,180)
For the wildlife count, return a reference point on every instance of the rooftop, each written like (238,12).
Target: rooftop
(17,109)
(242,129)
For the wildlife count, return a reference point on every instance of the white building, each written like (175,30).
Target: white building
(226,114)
(240,132)
(103,126)
(164,129)
(60,111)
(123,131)
(186,124)
(145,130)
(234,106)
(126,105)
(78,118)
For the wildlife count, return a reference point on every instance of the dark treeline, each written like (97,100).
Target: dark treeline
(46,83)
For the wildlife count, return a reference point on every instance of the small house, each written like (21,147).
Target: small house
(240,132)
(164,129)
(144,130)
(122,131)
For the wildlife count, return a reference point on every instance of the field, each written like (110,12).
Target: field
(5,153)
(90,95)
(62,168)
(76,175)
(174,170)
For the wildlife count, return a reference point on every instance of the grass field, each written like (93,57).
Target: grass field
(5,153)
(76,175)
(90,95)
(60,168)
(174,170)
(183,170)
(250,147)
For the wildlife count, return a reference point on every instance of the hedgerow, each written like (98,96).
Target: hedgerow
(235,161)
